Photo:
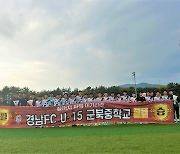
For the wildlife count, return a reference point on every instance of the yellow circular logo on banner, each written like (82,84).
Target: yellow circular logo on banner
(4,117)
(161,112)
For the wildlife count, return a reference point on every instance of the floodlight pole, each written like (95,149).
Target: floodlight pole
(134,75)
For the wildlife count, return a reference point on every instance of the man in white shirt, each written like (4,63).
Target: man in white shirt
(72,99)
(165,96)
(79,98)
(151,96)
(125,97)
(148,97)
(112,97)
(133,98)
(85,98)
(90,98)
(99,97)
(118,97)
(158,96)
(105,97)
(38,102)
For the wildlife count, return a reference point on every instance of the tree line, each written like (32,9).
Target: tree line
(7,93)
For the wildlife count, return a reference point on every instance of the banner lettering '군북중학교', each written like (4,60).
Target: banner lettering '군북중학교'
(86,113)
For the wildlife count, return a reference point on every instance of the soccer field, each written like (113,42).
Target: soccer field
(130,138)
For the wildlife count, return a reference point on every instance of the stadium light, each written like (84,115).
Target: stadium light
(134,75)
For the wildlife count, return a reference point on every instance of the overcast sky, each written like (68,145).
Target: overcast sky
(45,44)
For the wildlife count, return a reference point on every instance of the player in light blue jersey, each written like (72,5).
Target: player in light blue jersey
(65,99)
(72,99)
(46,102)
(57,100)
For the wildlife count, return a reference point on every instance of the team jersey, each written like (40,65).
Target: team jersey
(99,99)
(133,99)
(105,98)
(151,99)
(79,99)
(71,101)
(38,103)
(112,98)
(118,99)
(90,99)
(148,99)
(125,98)
(51,98)
(15,102)
(84,100)
(141,99)
(64,101)
(46,103)
(157,98)
(56,102)
(165,98)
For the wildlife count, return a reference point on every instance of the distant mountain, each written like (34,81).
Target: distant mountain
(141,85)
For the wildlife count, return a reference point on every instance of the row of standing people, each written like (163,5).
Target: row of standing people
(59,100)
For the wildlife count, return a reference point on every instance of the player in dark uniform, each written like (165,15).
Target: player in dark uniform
(141,98)
(175,100)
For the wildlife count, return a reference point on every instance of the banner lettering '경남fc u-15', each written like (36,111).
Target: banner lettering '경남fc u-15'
(87,113)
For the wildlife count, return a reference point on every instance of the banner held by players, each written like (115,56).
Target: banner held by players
(86,113)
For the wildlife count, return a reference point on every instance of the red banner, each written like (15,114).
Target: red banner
(86,113)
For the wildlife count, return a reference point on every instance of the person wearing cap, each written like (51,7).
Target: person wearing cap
(175,100)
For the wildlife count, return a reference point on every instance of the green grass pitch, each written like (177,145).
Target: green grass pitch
(130,138)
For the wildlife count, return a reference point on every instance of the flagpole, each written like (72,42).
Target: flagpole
(134,75)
